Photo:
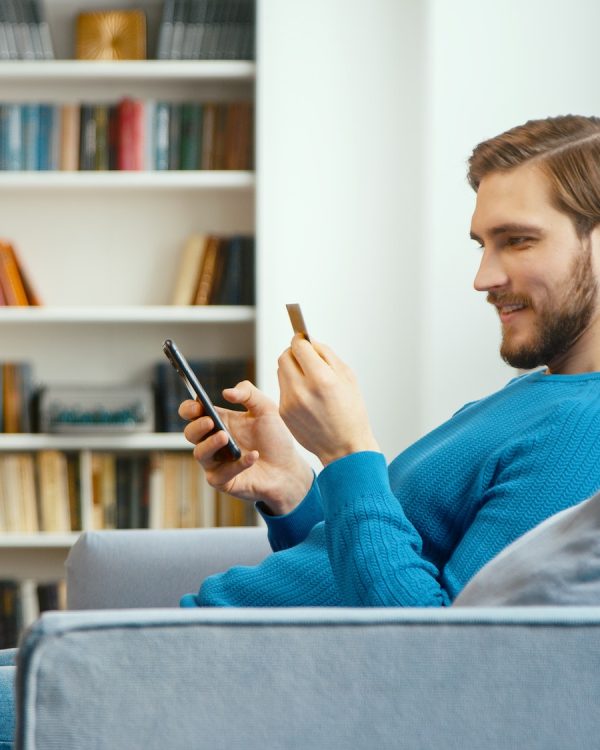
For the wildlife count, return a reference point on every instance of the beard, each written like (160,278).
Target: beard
(558,325)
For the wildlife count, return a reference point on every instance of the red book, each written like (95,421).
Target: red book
(130,146)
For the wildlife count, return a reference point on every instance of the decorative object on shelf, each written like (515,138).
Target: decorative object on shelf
(91,409)
(111,35)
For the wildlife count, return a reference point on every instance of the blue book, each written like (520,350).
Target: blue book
(161,135)
(14,137)
(45,137)
(31,135)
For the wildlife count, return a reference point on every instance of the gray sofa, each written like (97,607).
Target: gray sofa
(130,670)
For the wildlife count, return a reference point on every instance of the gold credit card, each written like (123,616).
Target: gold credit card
(297,320)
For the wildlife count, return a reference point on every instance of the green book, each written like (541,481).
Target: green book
(191,135)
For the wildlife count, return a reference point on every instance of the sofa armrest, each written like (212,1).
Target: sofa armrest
(394,679)
(147,568)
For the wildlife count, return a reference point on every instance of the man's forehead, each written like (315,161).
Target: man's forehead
(514,198)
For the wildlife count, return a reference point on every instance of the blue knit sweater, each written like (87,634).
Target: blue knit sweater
(413,533)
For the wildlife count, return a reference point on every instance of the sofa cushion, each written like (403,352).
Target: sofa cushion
(556,563)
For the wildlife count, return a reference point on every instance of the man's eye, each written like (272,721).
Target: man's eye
(516,241)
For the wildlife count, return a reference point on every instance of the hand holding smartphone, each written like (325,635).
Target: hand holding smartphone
(230,452)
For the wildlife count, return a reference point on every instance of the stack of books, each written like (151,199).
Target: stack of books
(207,30)
(131,134)
(24,31)
(216,270)
(21,603)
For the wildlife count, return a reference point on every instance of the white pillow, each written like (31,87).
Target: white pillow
(556,563)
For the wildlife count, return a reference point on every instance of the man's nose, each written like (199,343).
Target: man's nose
(491,273)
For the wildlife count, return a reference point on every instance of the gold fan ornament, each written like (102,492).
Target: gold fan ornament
(111,35)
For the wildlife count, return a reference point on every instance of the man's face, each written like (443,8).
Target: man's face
(537,272)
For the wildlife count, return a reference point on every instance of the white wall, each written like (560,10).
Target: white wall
(340,106)
(368,113)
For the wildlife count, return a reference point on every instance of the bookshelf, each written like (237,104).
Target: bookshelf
(103,249)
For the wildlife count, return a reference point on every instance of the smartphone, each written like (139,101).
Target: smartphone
(229,452)
(297,320)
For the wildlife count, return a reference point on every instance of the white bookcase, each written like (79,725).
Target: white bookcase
(103,251)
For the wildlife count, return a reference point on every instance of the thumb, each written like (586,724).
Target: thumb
(248,395)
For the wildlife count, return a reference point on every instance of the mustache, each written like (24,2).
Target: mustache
(500,299)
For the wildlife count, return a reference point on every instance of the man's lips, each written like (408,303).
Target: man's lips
(508,312)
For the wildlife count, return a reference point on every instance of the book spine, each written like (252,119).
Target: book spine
(87,137)
(101,161)
(31,135)
(165,33)
(14,137)
(69,137)
(161,130)
(191,129)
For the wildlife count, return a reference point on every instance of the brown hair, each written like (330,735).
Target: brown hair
(566,148)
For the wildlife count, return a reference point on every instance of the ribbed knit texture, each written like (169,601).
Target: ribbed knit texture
(414,533)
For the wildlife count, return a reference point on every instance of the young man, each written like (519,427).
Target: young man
(414,533)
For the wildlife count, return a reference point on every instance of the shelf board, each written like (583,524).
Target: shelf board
(128,70)
(41,540)
(167,180)
(196,314)
(152,441)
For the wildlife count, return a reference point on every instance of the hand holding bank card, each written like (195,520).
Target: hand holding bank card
(231,451)
(297,320)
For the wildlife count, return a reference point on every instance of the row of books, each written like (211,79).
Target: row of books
(215,375)
(42,491)
(131,134)
(22,602)
(24,31)
(207,30)
(216,270)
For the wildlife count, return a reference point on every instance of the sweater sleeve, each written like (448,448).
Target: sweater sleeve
(291,529)
(374,551)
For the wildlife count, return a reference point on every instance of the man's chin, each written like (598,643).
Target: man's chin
(521,359)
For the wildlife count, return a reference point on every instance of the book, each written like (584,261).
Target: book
(69,137)
(11,279)
(53,491)
(87,137)
(191,135)
(161,136)
(208,270)
(31,135)
(130,150)
(165,32)
(101,162)
(188,273)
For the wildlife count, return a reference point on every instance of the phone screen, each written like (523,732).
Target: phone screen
(230,452)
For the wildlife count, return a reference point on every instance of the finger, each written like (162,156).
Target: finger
(308,356)
(197,430)
(328,355)
(205,450)
(225,472)
(189,409)
(249,396)
(289,374)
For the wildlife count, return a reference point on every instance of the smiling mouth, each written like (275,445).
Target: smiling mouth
(506,312)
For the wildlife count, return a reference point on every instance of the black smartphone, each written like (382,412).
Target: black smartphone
(229,452)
